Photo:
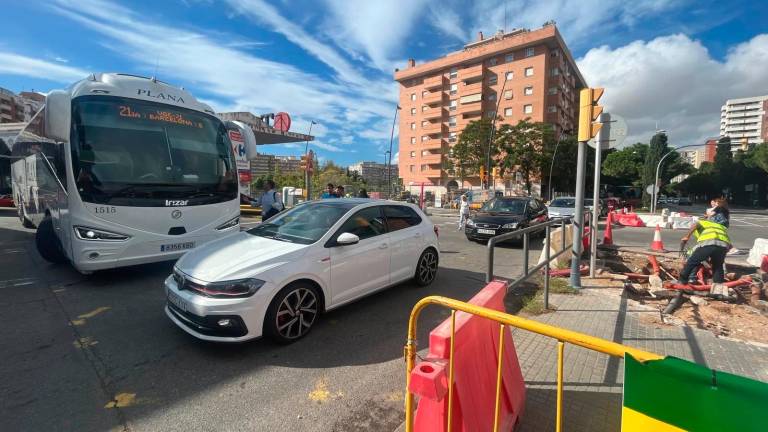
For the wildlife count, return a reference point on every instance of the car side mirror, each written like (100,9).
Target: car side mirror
(346,239)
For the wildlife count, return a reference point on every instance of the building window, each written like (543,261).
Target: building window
(424,108)
(413,154)
(424,94)
(424,138)
(554,53)
(413,140)
(493,80)
(529,52)
(510,75)
(552,109)
(452,121)
(509,58)
(413,96)
(529,71)
(507,112)
(490,114)
(413,126)
(424,123)
(492,62)
(555,71)
(508,94)
(452,137)
(411,168)
(492,97)
(528,91)
(528,109)
(425,152)
(452,106)
(552,90)
(454,88)
(453,73)
(413,111)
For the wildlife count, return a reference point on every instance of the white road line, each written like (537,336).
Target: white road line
(16,282)
(748,223)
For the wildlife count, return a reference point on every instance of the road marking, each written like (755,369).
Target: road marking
(122,400)
(17,282)
(748,223)
(88,315)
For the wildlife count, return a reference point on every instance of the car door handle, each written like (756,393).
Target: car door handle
(417,235)
(383,246)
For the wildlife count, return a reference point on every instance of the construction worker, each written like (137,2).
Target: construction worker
(712,244)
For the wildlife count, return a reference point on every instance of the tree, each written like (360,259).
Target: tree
(526,148)
(626,165)
(471,150)
(656,151)
(757,157)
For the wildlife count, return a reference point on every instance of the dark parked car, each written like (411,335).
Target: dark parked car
(684,201)
(503,215)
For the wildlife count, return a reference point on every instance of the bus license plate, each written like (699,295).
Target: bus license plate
(486,231)
(177,301)
(173,247)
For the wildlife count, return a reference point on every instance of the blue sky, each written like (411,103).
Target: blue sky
(666,62)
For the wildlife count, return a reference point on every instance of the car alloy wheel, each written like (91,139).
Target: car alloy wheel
(296,313)
(427,267)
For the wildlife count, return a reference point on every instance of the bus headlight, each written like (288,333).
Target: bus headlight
(229,224)
(85,233)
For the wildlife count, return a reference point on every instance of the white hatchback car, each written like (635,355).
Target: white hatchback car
(276,279)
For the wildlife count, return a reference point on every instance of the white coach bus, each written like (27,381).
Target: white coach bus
(120,170)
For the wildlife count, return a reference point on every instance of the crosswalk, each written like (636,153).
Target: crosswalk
(748,220)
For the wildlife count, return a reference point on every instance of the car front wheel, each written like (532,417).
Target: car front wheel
(292,313)
(426,269)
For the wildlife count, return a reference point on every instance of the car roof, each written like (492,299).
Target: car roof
(350,203)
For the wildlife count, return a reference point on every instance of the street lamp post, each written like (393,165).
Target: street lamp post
(552,164)
(382,176)
(389,161)
(307,178)
(655,193)
(493,132)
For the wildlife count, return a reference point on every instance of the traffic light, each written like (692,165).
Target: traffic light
(306,163)
(482,172)
(495,172)
(589,111)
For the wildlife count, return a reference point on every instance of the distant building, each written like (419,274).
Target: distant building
(11,107)
(265,164)
(521,74)
(745,121)
(375,174)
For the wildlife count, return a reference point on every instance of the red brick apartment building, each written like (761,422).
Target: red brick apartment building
(439,98)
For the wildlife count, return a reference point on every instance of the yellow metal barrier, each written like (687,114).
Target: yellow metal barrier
(504,319)
(248,210)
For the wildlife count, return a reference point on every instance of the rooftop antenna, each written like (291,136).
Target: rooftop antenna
(505,16)
(157,64)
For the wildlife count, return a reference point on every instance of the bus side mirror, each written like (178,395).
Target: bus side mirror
(249,139)
(58,113)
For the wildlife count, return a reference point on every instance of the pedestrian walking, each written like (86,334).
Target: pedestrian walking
(340,191)
(463,212)
(363,193)
(330,192)
(712,244)
(270,201)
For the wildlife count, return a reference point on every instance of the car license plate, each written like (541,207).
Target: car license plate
(177,301)
(486,231)
(173,247)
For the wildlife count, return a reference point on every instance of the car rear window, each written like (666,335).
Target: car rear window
(400,217)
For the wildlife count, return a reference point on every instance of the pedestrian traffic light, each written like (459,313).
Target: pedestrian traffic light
(589,111)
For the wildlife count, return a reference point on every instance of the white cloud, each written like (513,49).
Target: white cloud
(396,158)
(329,147)
(673,80)
(15,64)
(448,22)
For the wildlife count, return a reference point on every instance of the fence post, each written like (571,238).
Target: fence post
(489,272)
(562,237)
(525,254)
(546,268)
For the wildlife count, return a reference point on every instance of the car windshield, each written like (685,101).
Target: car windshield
(131,152)
(504,206)
(304,224)
(563,202)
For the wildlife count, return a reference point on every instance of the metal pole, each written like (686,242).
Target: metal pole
(307,177)
(489,272)
(389,161)
(525,254)
(552,164)
(578,220)
(658,167)
(493,132)
(603,136)
(546,268)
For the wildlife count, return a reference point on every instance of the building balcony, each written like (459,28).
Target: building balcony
(435,113)
(432,158)
(431,172)
(433,128)
(471,73)
(471,88)
(434,83)
(434,143)
(433,98)
(470,108)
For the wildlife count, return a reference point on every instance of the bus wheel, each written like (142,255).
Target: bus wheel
(26,223)
(48,244)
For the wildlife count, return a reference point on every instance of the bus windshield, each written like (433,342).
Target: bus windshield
(137,153)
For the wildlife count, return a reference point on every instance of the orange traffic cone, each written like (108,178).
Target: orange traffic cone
(608,234)
(657,244)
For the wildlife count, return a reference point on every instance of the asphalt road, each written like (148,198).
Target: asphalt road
(97,353)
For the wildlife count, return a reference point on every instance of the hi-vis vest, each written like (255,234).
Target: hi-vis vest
(711,231)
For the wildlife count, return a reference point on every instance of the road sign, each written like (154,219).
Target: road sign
(651,189)
(282,122)
(616,136)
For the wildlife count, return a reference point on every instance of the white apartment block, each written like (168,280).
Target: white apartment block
(745,119)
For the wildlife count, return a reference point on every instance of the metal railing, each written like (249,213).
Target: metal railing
(563,336)
(548,258)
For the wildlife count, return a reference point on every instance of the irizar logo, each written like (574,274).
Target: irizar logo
(176,203)
(162,96)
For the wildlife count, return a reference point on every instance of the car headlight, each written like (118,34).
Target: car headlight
(512,225)
(226,289)
(229,224)
(470,222)
(85,233)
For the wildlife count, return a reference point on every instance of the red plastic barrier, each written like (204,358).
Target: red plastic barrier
(475,364)
(629,219)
